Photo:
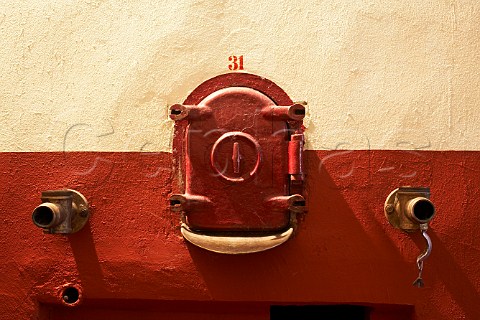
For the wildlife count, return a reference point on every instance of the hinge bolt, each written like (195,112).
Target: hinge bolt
(389,208)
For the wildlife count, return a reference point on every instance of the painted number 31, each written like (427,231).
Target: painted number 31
(236,63)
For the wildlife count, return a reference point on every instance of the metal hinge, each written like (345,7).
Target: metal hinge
(295,162)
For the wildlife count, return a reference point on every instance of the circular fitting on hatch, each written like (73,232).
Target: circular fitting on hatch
(236,156)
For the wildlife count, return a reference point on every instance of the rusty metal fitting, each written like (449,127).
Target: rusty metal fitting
(295,112)
(61,211)
(181,112)
(408,208)
(187,202)
(48,215)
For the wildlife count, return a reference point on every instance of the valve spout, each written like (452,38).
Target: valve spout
(47,215)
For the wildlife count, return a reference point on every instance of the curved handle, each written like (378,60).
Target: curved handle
(235,245)
(423,256)
(426,253)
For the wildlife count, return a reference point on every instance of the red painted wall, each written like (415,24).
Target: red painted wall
(130,260)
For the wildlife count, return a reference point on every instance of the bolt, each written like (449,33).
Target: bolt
(389,208)
(84,213)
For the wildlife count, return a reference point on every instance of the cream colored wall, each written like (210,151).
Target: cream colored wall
(98,76)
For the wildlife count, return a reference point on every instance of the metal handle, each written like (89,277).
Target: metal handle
(426,253)
(423,256)
(235,245)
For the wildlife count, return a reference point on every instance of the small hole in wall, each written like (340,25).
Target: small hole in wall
(70,295)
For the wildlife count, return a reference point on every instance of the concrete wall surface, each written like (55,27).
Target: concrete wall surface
(392,91)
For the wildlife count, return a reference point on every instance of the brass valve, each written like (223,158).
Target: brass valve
(410,209)
(406,208)
(61,211)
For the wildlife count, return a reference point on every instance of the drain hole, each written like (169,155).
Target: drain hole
(175,111)
(299,111)
(70,295)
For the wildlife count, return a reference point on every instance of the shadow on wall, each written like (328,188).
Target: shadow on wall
(455,280)
(331,259)
(86,258)
(127,309)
